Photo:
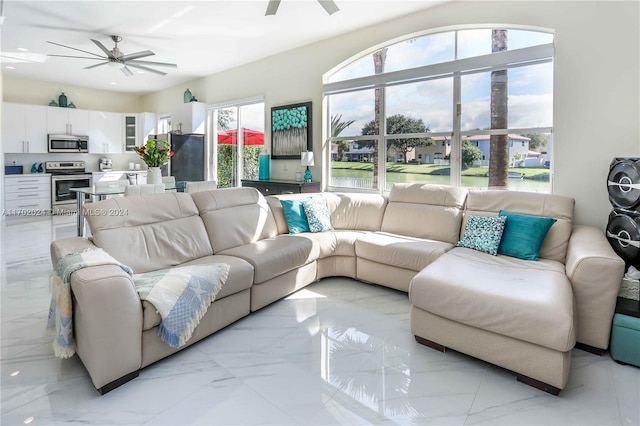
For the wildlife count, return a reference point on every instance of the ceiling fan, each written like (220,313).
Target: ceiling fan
(328,5)
(117,59)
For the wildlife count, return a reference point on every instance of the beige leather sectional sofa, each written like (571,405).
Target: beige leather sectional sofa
(525,316)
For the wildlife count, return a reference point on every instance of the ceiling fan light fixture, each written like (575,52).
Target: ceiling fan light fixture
(115,59)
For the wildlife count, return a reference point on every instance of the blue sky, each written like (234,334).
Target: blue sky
(530,88)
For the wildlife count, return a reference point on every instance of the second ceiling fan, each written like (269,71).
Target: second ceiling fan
(116,58)
(329,6)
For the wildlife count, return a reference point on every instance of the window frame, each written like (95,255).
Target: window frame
(527,56)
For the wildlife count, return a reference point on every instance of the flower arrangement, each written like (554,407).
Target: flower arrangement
(153,154)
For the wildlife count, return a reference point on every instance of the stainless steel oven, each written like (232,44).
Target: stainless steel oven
(64,176)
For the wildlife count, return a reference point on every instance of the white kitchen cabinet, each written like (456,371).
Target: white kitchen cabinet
(130,124)
(189,117)
(137,128)
(105,133)
(67,121)
(24,128)
(28,194)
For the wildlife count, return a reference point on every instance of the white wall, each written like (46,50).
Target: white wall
(37,92)
(596,96)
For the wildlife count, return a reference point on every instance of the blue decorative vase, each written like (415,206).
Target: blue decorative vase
(263,166)
(62,100)
(187,96)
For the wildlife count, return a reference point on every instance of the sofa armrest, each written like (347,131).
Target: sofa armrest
(595,272)
(64,246)
(107,316)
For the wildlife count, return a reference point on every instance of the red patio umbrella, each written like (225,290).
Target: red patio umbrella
(250,137)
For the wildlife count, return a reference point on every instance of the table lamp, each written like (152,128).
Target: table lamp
(306,159)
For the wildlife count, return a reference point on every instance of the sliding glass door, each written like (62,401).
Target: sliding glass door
(239,139)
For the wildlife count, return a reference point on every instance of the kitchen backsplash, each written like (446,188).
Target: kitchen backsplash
(120,161)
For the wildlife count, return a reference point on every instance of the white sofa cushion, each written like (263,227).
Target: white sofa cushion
(151,232)
(400,251)
(272,257)
(490,202)
(426,211)
(234,217)
(525,300)
(361,212)
(333,243)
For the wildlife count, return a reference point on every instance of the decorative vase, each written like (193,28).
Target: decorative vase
(71,105)
(187,96)
(154,175)
(53,103)
(62,100)
(263,166)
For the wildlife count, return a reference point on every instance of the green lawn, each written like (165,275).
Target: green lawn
(536,173)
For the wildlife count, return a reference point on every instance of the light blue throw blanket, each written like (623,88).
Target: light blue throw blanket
(60,321)
(181,296)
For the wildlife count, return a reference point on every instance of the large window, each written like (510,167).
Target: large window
(470,108)
(238,140)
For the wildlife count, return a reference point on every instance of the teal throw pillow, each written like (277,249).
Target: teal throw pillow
(317,214)
(295,216)
(483,233)
(524,234)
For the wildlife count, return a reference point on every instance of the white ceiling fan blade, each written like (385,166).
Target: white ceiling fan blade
(100,58)
(126,71)
(155,64)
(104,49)
(79,50)
(329,5)
(134,65)
(272,7)
(136,55)
(96,65)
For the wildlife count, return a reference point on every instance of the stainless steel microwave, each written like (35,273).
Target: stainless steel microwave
(68,143)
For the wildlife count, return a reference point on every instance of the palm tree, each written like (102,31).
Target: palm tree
(338,126)
(498,144)
(379,58)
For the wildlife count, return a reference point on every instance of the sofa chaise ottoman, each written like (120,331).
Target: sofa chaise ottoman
(518,313)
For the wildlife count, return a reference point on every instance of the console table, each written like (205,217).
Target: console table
(271,187)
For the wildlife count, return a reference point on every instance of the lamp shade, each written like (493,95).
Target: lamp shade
(306,158)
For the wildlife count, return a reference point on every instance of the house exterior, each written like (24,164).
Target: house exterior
(357,154)
(438,151)
(518,148)
(395,156)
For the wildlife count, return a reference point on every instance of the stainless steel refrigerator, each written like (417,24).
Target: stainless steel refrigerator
(188,161)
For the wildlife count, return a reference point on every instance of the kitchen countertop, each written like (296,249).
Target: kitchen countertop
(27,174)
(121,171)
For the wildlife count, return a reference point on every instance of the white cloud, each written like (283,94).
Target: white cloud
(531,111)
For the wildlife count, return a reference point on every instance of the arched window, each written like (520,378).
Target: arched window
(398,101)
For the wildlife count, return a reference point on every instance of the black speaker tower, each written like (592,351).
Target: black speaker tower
(623,226)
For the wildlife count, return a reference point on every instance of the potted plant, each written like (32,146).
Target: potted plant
(155,155)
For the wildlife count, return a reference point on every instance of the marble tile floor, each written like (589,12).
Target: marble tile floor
(337,352)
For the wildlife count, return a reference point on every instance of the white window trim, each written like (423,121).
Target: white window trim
(478,64)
